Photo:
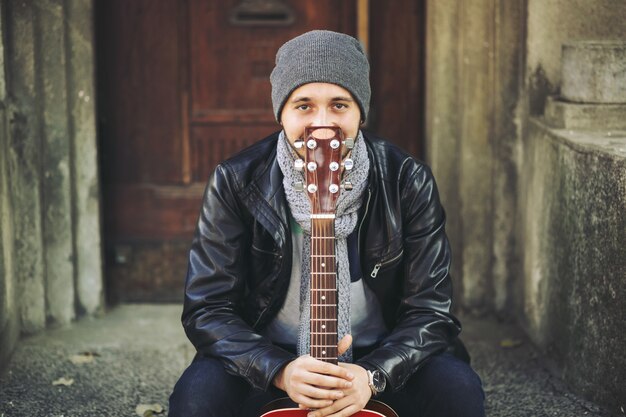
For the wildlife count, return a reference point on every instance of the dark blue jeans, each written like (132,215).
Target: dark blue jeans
(444,386)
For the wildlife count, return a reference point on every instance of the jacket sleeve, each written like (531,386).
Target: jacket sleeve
(215,285)
(424,324)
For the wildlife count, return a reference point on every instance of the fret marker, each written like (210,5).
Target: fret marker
(323,327)
(323,265)
(324,352)
(323,297)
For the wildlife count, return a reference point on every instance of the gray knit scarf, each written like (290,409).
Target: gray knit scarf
(347,208)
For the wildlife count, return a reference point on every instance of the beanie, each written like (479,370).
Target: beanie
(321,56)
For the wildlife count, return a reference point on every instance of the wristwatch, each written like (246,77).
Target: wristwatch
(377,381)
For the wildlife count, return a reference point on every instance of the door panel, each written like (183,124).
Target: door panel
(138,72)
(397,31)
(230,104)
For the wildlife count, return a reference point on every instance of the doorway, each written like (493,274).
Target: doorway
(184,84)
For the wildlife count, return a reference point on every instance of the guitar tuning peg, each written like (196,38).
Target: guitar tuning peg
(348,164)
(347,186)
(349,142)
(298,144)
(298,186)
(298,164)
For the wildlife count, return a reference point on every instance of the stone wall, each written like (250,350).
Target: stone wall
(536,205)
(50,252)
(573,225)
(573,221)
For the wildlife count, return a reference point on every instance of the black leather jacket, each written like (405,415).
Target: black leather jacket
(240,263)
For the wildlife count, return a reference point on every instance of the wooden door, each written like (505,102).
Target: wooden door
(182,85)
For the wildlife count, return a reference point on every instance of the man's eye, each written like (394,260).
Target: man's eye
(303,107)
(340,106)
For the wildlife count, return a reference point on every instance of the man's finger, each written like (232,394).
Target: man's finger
(326,381)
(344,344)
(321,367)
(335,407)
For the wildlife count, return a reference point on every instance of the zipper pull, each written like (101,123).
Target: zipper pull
(375,270)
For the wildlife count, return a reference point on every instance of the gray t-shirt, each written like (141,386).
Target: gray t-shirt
(366,316)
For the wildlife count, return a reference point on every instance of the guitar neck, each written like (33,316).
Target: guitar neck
(323,289)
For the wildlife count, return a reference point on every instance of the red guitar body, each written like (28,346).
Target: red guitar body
(284,407)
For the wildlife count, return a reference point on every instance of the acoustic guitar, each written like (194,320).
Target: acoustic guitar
(323,167)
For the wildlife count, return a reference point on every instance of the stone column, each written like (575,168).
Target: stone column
(58,228)
(9,319)
(25,165)
(82,108)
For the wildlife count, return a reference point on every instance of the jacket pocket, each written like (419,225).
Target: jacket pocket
(386,263)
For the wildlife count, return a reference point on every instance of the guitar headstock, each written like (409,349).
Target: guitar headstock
(323,166)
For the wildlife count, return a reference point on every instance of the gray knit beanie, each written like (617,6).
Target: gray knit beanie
(321,56)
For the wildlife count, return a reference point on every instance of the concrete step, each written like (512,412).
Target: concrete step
(582,116)
(140,351)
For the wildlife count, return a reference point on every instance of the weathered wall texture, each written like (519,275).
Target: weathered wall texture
(8,311)
(536,206)
(555,22)
(50,254)
(473,66)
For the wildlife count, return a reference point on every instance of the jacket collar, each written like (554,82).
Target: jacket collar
(265,197)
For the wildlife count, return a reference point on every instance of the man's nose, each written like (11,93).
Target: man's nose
(322,118)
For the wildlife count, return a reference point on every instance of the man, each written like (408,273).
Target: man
(245,298)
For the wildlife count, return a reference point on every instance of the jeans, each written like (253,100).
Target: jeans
(444,386)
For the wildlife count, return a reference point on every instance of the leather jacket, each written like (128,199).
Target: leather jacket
(240,263)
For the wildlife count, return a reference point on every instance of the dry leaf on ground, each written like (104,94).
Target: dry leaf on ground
(83,357)
(63,381)
(510,343)
(147,410)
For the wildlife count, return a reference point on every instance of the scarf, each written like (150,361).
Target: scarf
(346,216)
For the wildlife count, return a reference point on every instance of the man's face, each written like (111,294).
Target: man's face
(320,104)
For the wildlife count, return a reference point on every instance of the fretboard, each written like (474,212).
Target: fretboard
(323,290)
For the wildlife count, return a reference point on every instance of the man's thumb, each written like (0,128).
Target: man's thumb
(344,344)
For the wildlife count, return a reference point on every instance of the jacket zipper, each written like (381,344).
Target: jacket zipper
(381,264)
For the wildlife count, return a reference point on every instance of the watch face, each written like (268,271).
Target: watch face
(378,380)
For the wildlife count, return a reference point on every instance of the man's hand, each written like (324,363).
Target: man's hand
(331,390)
(354,399)
(312,383)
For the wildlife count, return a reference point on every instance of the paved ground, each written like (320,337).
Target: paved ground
(136,353)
